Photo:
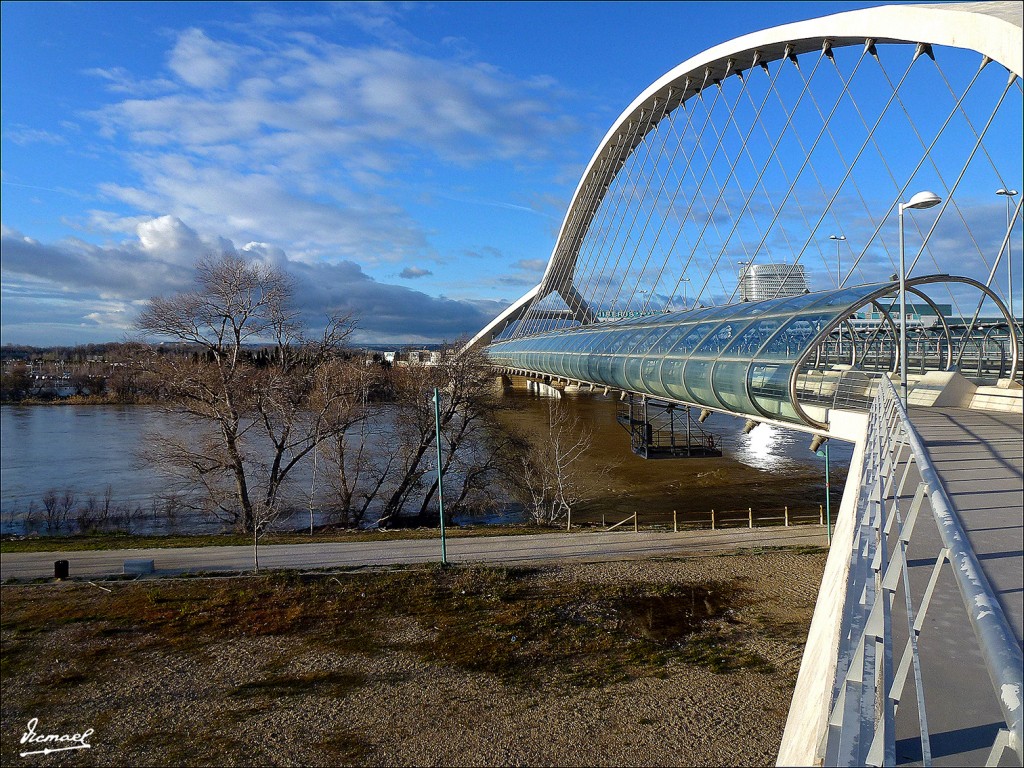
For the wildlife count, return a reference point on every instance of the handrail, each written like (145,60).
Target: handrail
(868,685)
(999,647)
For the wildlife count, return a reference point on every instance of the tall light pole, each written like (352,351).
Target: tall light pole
(685,281)
(440,472)
(819,445)
(918,202)
(1009,194)
(839,269)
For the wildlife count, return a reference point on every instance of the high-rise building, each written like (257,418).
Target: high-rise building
(759,282)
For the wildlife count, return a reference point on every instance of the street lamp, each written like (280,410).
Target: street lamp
(440,472)
(839,269)
(819,446)
(685,281)
(1009,194)
(920,201)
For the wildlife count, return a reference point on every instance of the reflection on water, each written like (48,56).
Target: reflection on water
(769,448)
(85,449)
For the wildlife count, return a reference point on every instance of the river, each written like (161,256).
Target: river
(83,450)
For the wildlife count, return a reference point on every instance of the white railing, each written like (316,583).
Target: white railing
(870,687)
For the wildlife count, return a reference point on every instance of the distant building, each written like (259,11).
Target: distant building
(760,282)
(918,316)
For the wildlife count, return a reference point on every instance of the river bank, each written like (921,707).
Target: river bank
(76,468)
(659,662)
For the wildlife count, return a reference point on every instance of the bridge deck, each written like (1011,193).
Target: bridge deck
(980,459)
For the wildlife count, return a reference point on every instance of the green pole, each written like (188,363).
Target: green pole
(440,494)
(828,500)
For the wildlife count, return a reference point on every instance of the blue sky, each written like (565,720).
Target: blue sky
(408,162)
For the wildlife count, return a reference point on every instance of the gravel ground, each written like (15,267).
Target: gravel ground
(167,708)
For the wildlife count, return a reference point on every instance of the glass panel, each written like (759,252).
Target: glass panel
(623,341)
(672,380)
(616,372)
(563,342)
(719,338)
(639,320)
(750,339)
(697,375)
(793,303)
(711,313)
(669,339)
(752,308)
(650,375)
(648,340)
(729,379)
(845,296)
(585,341)
(602,366)
(794,337)
(633,372)
(769,386)
(605,341)
(559,364)
(572,364)
(692,339)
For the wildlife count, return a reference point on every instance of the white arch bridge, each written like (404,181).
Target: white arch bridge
(785,228)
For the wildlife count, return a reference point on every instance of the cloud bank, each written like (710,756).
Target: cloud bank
(73,288)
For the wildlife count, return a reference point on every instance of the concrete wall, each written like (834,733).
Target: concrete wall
(808,712)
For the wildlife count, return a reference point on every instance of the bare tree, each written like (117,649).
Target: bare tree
(551,483)
(57,508)
(467,399)
(355,471)
(258,394)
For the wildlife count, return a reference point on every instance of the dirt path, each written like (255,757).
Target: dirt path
(574,670)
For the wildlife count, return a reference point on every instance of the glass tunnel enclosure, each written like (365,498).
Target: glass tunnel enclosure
(771,359)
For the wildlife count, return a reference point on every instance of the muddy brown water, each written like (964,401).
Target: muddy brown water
(764,471)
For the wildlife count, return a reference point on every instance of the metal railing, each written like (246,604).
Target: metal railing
(865,714)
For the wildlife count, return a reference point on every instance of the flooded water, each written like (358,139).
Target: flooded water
(87,449)
(766,470)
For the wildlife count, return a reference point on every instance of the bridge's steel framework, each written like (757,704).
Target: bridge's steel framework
(563,340)
(767,360)
(992,29)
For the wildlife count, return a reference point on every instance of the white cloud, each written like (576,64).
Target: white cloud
(201,62)
(300,140)
(62,287)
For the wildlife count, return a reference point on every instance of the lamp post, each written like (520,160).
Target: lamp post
(685,281)
(839,269)
(823,451)
(918,202)
(440,497)
(1009,194)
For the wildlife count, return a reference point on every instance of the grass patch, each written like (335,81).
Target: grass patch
(507,622)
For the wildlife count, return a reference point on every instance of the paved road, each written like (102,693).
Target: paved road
(592,546)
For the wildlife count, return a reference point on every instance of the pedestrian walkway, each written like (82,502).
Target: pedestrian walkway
(591,546)
(979,456)
(979,459)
